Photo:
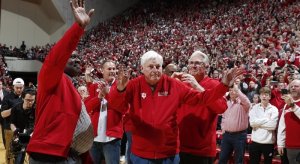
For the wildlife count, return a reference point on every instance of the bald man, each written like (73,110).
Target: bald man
(170,69)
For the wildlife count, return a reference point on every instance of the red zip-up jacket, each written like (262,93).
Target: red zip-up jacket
(198,124)
(155,132)
(289,123)
(114,126)
(58,102)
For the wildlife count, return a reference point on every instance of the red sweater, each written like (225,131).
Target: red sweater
(153,114)
(199,123)
(58,102)
(292,123)
(114,126)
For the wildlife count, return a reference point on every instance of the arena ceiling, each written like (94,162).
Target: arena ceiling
(42,12)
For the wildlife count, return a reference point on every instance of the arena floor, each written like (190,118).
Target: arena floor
(2,150)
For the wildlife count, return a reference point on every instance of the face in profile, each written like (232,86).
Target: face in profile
(152,71)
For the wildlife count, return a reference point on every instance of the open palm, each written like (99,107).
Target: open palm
(81,16)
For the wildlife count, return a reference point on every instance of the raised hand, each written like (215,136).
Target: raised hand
(103,89)
(187,78)
(230,76)
(123,78)
(89,69)
(81,16)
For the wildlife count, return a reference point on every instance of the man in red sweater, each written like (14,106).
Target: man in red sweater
(63,131)
(289,124)
(107,123)
(154,99)
(199,122)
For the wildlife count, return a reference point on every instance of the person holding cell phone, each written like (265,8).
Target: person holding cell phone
(289,124)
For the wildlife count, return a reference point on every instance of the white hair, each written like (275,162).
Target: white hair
(201,55)
(151,55)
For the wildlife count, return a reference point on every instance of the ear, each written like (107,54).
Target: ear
(142,69)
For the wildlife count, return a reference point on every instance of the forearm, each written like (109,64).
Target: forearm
(244,101)
(270,125)
(219,106)
(256,122)
(6,113)
(88,78)
(13,127)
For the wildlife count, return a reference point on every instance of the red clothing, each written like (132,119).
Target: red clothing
(276,99)
(114,126)
(292,134)
(55,124)
(199,123)
(153,114)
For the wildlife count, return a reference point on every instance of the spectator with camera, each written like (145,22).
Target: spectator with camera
(10,101)
(22,122)
(289,123)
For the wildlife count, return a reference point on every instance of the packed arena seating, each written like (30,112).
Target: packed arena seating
(231,32)
(3,69)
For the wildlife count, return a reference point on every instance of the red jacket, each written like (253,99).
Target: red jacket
(114,126)
(153,114)
(199,123)
(58,102)
(292,123)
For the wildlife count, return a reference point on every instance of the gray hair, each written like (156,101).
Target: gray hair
(151,55)
(201,55)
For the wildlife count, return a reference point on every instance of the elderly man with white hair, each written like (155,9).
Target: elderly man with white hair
(154,99)
(289,124)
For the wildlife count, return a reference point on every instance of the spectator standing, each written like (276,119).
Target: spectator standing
(10,101)
(170,69)
(289,124)
(63,132)
(263,119)
(154,99)
(22,119)
(3,93)
(107,123)
(234,126)
(191,117)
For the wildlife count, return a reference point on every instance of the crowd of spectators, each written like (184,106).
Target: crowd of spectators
(232,33)
(3,69)
(244,32)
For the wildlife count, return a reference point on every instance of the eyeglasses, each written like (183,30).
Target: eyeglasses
(197,63)
(29,100)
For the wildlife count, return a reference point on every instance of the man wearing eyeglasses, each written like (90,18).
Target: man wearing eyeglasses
(199,122)
(22,120)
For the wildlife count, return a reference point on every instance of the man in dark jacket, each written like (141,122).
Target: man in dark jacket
(10,101)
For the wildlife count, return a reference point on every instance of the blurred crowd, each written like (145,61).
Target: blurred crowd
(248,33)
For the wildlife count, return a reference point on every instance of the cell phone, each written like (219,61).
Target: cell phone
(274,83)
(284,91)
